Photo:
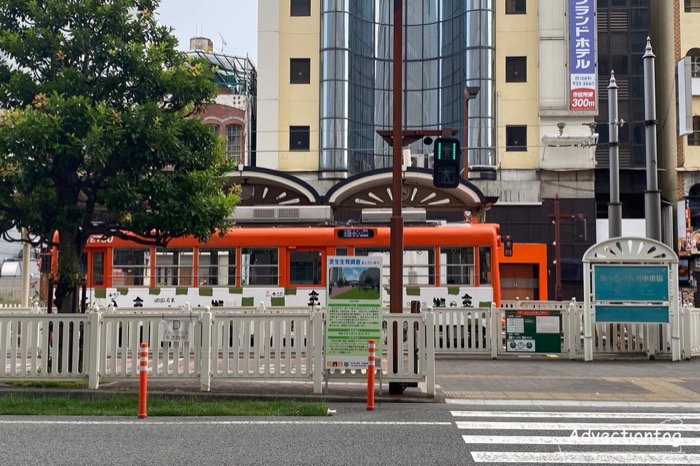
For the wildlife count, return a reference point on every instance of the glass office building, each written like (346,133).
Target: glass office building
(448,47)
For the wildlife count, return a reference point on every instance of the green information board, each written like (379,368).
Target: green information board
(533,331)
(354,312)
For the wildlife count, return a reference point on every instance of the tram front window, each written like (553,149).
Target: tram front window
(457,265)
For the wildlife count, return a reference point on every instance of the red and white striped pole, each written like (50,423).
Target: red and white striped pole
(143,380)
(370,376)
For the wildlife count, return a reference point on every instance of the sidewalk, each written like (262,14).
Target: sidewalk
(509,378)
(543,378)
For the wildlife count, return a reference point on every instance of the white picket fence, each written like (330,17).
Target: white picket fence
(287,345)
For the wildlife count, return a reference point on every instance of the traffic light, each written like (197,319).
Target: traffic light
(508,247)
(447,163)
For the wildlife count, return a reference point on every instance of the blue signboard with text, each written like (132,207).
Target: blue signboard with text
(631,293)
(630,283)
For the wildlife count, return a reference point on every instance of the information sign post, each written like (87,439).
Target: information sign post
(354,311)
(632,280)
(533,331)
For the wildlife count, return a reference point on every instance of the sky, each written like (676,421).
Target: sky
(236,21)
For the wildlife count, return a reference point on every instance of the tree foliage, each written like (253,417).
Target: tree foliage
(98,129)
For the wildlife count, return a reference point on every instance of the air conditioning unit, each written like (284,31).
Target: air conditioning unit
(384,215)
(282,214)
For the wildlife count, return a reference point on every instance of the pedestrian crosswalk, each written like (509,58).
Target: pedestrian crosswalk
(566,437)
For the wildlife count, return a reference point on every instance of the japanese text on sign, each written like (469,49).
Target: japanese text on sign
(582,55)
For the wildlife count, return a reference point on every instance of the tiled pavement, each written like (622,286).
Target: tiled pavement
(508,378)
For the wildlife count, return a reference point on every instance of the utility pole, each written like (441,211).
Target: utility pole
(652,196)
(396,230)
(614,207)
(557,218)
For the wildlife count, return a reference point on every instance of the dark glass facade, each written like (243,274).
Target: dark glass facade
(623,27)
(448,45)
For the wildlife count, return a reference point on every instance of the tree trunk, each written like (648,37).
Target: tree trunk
(69,251)
(70,246)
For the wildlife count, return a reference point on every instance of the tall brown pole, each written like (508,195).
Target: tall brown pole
(396,240)
(557,249)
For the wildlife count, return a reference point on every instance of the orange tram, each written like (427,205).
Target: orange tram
(448,265)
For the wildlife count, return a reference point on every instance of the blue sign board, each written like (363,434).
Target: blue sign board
(642,314)
(582,55)
(630,283)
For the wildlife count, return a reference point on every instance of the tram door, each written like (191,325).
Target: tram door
(519,281)
(96,267)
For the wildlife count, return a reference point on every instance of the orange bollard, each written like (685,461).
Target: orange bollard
(143,380)
(370,376)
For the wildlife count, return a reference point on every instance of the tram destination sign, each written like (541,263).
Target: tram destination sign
(354,233)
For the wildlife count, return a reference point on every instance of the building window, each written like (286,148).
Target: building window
(299,138)
(515,7)
(516,69)
(233,143)
(302,7)
(692,6)
(695,66)
(694,139)
(516,138)
(300,71)
(216,129)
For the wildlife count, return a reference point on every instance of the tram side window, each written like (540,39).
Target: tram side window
(485,265)
(259,266)
(457,266)
(131,267)
(305,267)
(174,267)
(419,266)
(377,252)
(217,267)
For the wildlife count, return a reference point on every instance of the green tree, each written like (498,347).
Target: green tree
(98,130)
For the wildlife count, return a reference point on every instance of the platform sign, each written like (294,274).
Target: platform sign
(174,330)
(631,293)
(533,331)
(354,312)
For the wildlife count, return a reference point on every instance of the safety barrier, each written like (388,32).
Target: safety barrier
(102,347)
(287,345)
(690,323)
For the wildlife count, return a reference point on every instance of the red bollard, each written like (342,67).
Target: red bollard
(370,376)
(143,380)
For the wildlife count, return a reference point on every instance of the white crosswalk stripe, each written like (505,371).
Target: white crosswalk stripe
(558,437)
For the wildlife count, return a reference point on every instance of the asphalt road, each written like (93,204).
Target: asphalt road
(397,434)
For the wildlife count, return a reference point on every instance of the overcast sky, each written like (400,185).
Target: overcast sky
(234,20)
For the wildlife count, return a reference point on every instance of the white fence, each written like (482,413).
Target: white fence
(286,346)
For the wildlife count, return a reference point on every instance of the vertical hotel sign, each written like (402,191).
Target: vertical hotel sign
(582,55)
